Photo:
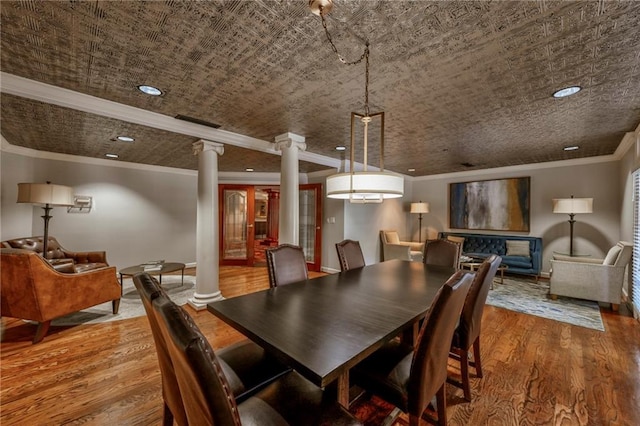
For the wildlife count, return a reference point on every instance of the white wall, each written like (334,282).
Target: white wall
(151,214)
(593,233)
(138,215)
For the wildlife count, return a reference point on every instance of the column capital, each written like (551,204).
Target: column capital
(290,140)
(205,145)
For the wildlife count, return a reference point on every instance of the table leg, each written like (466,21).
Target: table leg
(160,279)
(501,276)
(183,276)
(343,389)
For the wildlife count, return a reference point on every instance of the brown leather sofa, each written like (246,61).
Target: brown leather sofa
(30,288)
(61,259)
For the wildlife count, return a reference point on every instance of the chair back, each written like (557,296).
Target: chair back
(471,319)
(442,252)
(429,364)
(286,264)
(350,255)
(149,290)
(204,388)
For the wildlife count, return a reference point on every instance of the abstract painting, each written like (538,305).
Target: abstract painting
(499,205)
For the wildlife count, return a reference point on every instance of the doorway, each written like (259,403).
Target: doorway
(248,223)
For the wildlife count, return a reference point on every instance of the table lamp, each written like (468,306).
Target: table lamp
(47,195)
(420,208)
(572,206)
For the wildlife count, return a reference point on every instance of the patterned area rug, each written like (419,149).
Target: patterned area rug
(130,303)
(531,298)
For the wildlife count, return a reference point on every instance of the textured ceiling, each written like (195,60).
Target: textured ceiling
(464,85)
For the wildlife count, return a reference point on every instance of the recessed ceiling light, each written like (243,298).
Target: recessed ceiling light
(150,90)
(411,170)
(571,148)
(125,139)
(111,155)
(567,91)
(341,148)
(248,169)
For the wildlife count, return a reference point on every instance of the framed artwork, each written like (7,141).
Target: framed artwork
(497,205)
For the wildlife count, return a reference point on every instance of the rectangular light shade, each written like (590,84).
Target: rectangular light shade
(45,193)
(420,207)
(573,205)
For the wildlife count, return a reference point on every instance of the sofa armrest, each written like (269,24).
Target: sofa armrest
(413,246)
(396,251)
(86,256)
(66,265)
(589,281)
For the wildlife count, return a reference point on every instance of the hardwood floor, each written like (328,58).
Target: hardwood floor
(536,371)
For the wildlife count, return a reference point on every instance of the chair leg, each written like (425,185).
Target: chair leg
(167,416)
(42,330)
(464,373)
(116,305)
(476,357)
(441,396)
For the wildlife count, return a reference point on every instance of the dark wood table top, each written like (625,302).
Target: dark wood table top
(324,326)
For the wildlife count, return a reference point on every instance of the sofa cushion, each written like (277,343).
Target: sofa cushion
(517,261)
(517,248)
(392,237)
(612,255)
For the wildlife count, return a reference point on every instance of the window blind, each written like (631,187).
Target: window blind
(635,264)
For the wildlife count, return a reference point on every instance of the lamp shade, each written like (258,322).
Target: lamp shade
(420,207)
(573,205)
(365,186)
(45,193)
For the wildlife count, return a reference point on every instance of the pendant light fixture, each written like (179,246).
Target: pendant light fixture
(360,186)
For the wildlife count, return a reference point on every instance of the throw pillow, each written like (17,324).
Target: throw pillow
(392,237)
(612,255)
(455,239)
(518,248)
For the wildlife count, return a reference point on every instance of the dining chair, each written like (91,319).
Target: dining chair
(245,363)
(409,378)
(467,333)
(350,255)
(286,264)
(442,252)
(205,387)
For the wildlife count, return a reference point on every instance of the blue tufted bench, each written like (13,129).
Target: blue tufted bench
(482,245)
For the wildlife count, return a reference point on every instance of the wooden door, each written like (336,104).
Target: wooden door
(237,224)
(310,222)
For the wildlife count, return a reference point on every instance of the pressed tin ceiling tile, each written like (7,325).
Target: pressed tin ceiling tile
(459,81)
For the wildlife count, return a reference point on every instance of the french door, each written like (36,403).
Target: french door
(248,223)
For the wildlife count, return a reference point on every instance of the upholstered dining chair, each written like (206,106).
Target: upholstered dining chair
(246,365)
(467,333)
(409,378)
(286,264)
(350,255)
(205,387)
(442,252)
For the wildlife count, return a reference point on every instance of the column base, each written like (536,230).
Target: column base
(199,301)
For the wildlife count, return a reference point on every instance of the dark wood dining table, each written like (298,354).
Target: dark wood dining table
(324,326)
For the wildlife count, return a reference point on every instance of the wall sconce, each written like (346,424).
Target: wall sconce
(81,204)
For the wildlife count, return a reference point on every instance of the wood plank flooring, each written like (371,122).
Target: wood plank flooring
(537,371)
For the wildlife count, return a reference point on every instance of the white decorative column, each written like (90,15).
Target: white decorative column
(207,232)
(288,224)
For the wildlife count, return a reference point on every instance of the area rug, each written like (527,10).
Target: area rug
(130,303)
(529,297)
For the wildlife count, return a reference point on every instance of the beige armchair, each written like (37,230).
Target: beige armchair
(393,248)
(600,280)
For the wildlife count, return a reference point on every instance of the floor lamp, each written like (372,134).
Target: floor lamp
(572,206)
(420,208)
(48,195)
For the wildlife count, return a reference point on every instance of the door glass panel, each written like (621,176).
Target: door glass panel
(235,224)
(307,206)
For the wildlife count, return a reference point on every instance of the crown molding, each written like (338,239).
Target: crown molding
(42,92)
